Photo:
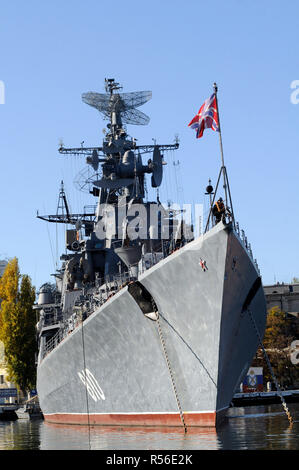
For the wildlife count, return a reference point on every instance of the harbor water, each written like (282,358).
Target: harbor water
(246,428)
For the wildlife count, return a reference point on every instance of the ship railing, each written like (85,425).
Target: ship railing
(52,320)
(112,284)
(149,260)
(104,289)
(53,342)
(51,316)
(68,325)
(243,239)
(88,209)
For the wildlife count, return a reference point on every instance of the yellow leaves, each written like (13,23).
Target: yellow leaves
(17,324)
(9,286)
(277,334)
(9,283)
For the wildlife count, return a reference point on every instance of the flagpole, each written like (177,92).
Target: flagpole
(221,146)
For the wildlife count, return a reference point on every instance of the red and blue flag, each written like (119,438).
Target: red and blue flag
(207,117)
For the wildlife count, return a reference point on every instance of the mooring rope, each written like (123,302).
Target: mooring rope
(86,391)
(271,370)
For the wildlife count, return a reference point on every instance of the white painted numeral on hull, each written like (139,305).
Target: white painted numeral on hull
(91,384)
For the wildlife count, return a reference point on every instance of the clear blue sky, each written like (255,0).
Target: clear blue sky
(51,52)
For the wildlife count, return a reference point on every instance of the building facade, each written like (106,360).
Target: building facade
(3,264)
(284,296)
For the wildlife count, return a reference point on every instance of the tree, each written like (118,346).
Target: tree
(17,326)
(280,332)
(9,285)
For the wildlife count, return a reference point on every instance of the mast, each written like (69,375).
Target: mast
(223,173)
(119,174)
(221,146)
(62,203)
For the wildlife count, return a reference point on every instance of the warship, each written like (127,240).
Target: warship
(147,323)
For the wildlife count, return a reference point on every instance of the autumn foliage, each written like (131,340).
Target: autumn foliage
(17,326)
(281,331)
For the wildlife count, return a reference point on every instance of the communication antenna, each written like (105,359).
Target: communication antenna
(111,84)
(157,168)
(93,160)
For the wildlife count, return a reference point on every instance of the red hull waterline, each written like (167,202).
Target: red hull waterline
(207,419)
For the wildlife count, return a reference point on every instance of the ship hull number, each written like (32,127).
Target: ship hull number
(92,385)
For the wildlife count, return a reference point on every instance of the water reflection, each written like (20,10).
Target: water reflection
(262,427)
(123,438)
(20,435)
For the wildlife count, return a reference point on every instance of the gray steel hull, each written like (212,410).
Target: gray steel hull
(112,369)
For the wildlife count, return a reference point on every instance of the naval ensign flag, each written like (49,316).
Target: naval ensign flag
(207,117)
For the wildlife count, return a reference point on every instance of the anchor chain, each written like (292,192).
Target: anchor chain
(169,366)
(271,370)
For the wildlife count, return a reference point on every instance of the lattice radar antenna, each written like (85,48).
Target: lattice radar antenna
(84,180)
(122,104)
